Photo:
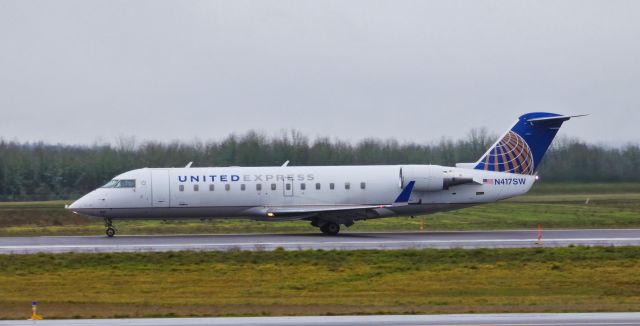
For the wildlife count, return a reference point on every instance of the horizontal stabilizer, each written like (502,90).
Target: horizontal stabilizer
(560,117)
(552,122)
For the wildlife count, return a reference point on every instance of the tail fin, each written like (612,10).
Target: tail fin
(522,147)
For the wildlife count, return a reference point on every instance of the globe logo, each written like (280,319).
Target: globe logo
(511,154)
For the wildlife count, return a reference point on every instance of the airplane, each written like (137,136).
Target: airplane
(328,196)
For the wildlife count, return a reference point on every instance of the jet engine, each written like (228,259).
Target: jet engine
(430,177)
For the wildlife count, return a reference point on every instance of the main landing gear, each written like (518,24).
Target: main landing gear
(330,228)
(111,231)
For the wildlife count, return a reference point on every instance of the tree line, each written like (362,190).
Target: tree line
(40,171)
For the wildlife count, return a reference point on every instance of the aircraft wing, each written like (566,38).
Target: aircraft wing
(320,211)
(336,213)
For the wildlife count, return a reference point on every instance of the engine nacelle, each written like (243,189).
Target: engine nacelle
(431,177)
(426,177)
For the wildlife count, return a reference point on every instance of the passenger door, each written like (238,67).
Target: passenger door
(160,188)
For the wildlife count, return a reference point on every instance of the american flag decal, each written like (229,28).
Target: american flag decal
(487,181)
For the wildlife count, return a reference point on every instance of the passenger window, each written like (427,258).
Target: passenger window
(331,186)
(227,187)
(317,186)
(243,187)
(196,187)
(303,186)
(181,188)
(273,186)
(212,187)
(363,185)
(347,186)
(288,186)
(259,186)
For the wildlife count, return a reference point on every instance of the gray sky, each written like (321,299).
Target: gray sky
(81,71)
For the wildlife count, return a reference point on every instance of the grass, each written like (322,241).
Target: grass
(553,206)
(321,282)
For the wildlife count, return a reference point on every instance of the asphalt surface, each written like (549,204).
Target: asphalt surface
(485,319)
(344,241)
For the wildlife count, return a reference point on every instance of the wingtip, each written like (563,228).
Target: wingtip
(406,193)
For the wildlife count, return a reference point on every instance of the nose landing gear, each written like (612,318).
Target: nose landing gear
(111,231)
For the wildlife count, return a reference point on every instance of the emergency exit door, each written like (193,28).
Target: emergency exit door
(287,187)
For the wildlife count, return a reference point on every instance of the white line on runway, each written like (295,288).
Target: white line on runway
(322,243)
(531,319)
(528,324)
(177,235)
(576,323)
(310,245)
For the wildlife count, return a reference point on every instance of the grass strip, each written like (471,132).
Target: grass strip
(576,279)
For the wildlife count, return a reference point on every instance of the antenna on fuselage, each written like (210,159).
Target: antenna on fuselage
(188,165)
(285,163)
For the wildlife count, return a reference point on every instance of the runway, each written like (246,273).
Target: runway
(442,320)
(344,241)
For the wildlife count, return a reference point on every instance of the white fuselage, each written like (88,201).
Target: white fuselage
(244,192)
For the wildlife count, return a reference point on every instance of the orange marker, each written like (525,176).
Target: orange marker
(539,234)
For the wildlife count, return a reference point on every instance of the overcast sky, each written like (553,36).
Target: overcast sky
(84,71)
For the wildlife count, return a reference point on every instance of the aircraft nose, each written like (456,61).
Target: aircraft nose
(87,201)
(88,204)
(74,205)
(78,204)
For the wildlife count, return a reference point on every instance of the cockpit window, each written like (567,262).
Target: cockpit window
(111,184)
(126,184)
(120,184)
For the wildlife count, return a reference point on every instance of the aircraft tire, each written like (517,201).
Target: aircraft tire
(111,232)
(330,228)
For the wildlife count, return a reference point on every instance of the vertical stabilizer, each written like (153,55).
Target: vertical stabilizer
(522,147)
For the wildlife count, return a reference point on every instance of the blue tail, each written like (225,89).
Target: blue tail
(521,149)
